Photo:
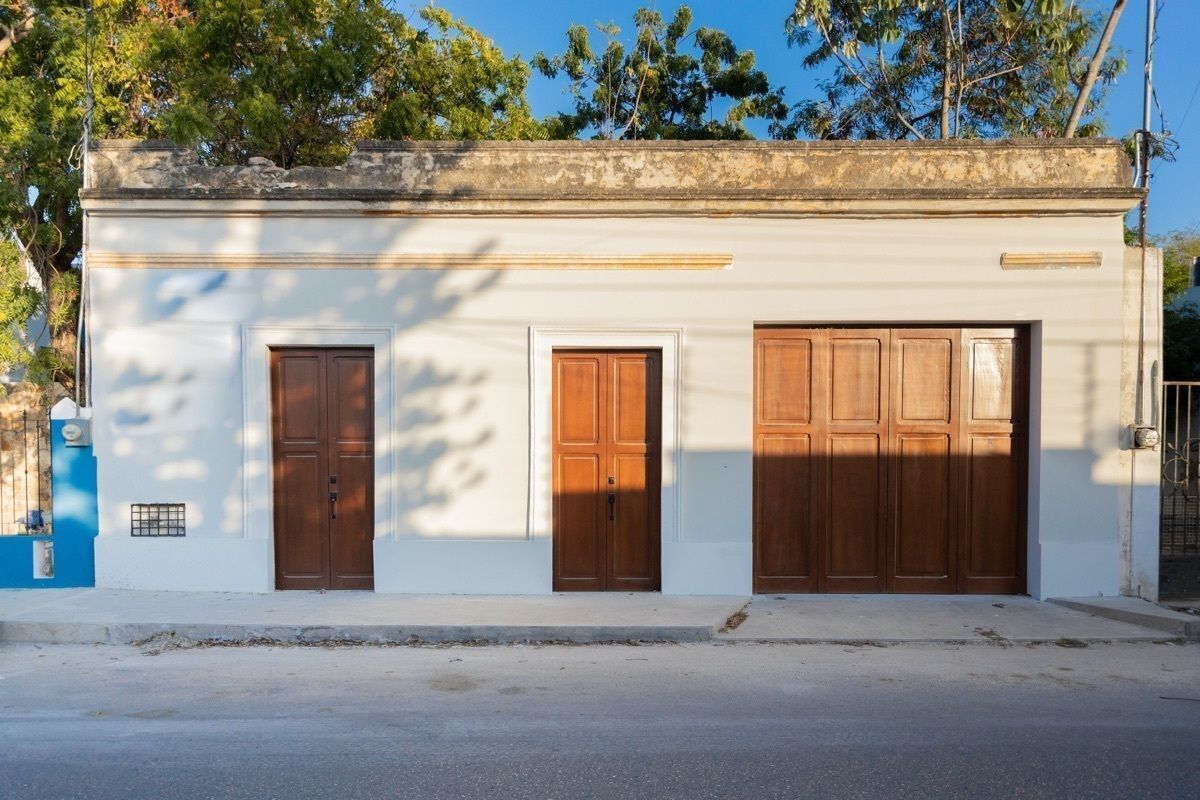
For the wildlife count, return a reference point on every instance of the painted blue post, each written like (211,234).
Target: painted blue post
(75,520)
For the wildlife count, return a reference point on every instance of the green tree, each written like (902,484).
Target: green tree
(1181,323)
(292,80)
(953,68)
(668,84)
(1180,250)
(297,81)
(42,108)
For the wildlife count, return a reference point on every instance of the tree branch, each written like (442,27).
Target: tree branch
(1093,71)
(20,29)
(895,109)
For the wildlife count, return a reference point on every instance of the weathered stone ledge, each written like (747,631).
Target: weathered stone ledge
(1087,175)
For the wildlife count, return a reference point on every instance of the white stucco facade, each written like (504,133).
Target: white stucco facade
(462,355)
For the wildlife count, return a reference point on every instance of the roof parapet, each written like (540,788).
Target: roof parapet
(1089,176)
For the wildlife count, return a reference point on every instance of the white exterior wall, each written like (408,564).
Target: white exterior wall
(174,347)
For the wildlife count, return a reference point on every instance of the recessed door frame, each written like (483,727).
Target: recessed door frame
(258,512)
(542,343)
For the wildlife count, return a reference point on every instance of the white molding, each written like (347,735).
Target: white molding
(404,261)
(257,484)
(1089,259)
(542,342)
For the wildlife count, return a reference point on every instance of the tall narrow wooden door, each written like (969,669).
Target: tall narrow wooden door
(607,465)
(323,437)
(889,459)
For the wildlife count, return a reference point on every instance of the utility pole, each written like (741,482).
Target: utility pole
(1144,149)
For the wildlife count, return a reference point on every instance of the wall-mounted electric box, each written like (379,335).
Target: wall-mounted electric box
(77,432)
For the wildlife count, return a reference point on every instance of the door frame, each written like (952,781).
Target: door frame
(543,341)
(258,491)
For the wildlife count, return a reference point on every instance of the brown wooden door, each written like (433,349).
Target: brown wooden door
(889,460)
(323,439)
(607,464)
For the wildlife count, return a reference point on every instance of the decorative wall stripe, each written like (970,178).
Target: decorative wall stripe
(1082,260)
(490,261)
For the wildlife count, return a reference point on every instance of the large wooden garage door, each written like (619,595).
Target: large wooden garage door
(890,459)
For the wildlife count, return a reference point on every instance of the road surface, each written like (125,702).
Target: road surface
(563,723)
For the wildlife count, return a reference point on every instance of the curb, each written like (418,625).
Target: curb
(1136,612)
(137,633)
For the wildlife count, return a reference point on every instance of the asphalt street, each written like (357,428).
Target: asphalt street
(555,722)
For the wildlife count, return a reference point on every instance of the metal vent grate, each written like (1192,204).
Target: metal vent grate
(157,519)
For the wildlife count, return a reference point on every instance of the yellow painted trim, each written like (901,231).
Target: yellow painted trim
(1080,260)
(488,261)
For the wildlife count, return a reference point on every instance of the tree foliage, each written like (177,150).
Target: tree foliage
(949,68)
(1181,323)
(42,109)
(297,81)
(1180,250)
(671,82)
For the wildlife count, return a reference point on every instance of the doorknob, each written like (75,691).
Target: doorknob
(612,497)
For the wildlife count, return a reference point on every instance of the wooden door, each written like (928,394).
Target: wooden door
(607,456)
(323,438)
(923,477)
(889,459)
(994,454)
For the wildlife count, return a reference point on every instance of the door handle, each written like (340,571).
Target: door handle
(612,497)
(333,504)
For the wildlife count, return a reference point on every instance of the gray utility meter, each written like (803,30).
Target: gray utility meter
(77,432)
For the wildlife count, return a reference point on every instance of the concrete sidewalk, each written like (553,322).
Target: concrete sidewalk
(108,616)
(113,616)
(966,619)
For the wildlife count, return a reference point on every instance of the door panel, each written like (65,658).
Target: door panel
(855,471)
(924,387)
(784,513)
(787,479)
(607,457)
(323,444)
(923,533)
(855,514)
(787,397)
(890,459)
(632,559)
(856,373)
(922,515)
(579,387)
(579,529)
(579,471)
(301,555)
(994,442)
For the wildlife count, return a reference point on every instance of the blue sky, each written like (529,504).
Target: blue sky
(526,26)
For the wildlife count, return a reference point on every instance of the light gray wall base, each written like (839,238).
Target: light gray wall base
(717,568)
(184,564)
(1077,569)
(469,566)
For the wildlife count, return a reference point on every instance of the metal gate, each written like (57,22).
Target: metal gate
(1179,526)
(25,497)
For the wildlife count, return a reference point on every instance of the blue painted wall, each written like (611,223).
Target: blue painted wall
(76,522)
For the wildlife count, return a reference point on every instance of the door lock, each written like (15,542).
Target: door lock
(612,498)
(333,496)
